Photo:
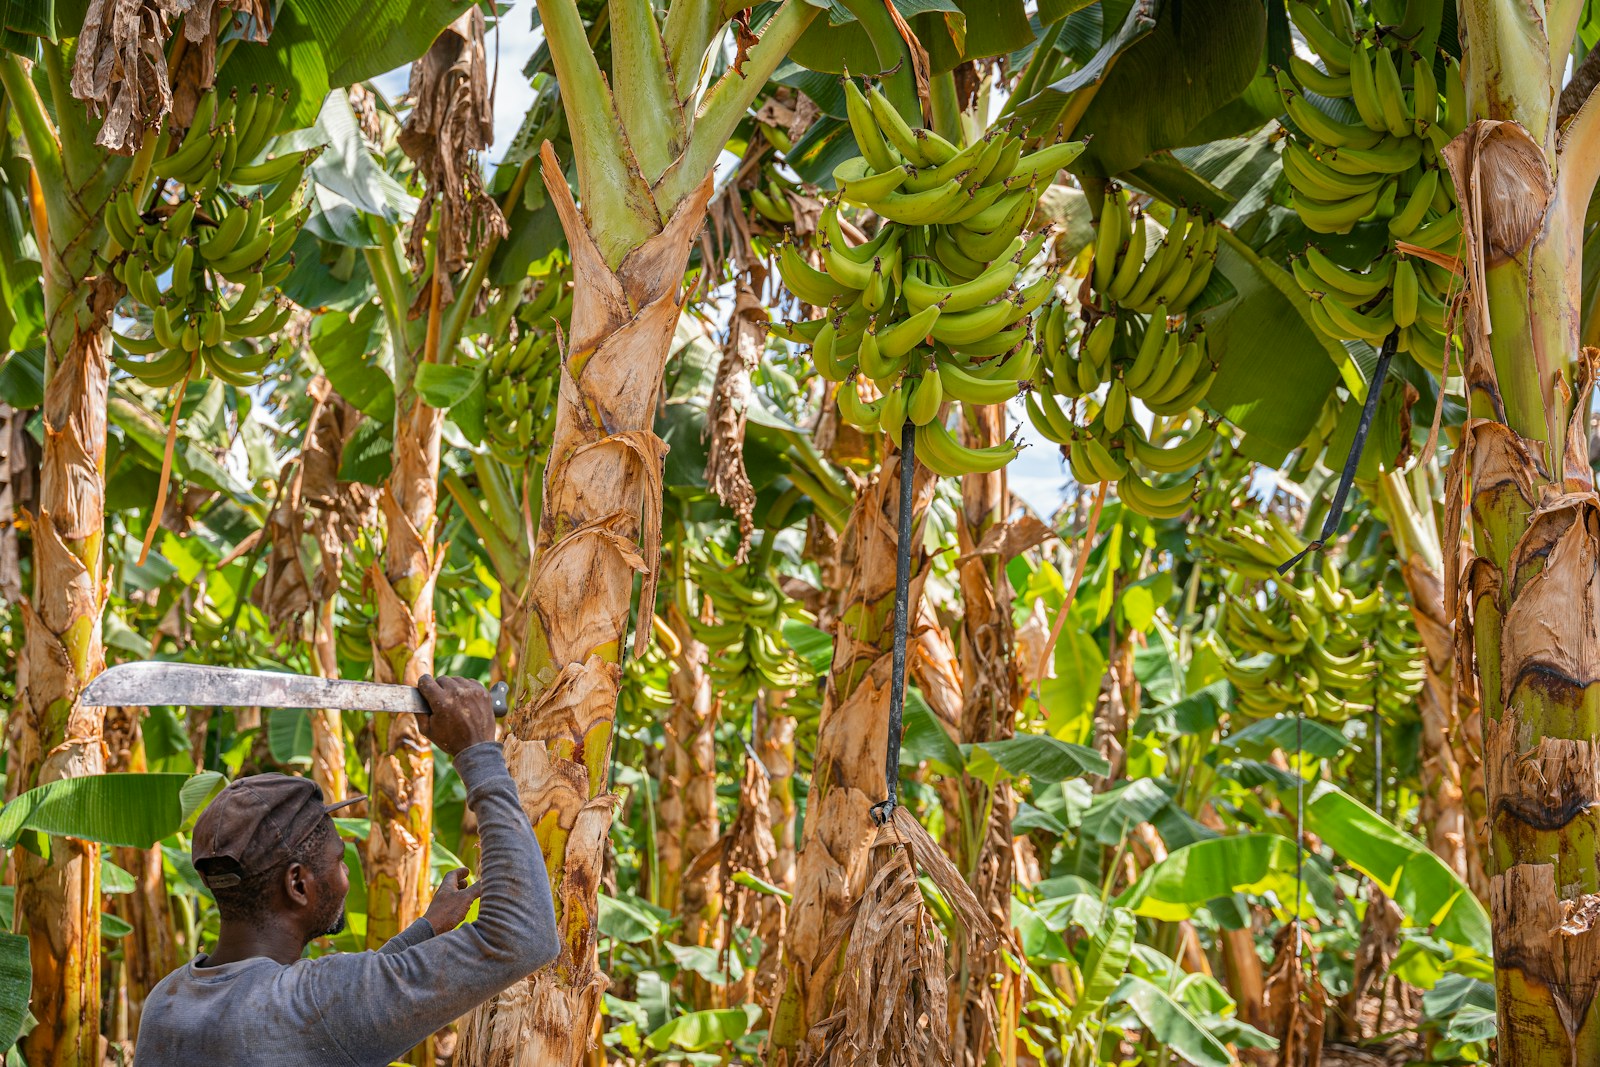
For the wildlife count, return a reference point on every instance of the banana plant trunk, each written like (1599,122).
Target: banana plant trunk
(692,752)
(402,759)
(988,713)
(58,898)
(327,725)
(646,142)
(1450,806)
(599,526)
(1527,601)
(852,742)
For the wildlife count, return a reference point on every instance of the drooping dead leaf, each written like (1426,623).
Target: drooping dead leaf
(725,418)
(18,495)
(891,1008)
(748,847)
(1295,1002)
(451,120)
(1008,540)
(283,593)
(120,69)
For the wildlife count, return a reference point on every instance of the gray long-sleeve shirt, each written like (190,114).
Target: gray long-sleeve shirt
(366,1009)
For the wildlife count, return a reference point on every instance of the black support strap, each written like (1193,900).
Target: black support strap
(1336,511)
(902,624)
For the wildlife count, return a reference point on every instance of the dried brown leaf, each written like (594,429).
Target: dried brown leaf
(451,120)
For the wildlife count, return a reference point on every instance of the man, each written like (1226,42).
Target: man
(268,851)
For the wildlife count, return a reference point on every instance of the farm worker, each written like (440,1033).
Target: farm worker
(268,850)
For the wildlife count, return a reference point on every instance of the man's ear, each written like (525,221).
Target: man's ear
(295,887)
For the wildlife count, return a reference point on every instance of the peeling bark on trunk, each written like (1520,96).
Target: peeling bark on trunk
(58,900)
(327,727)
(1451,737)
(777,755)
(1528,603)
(402,759)
(852,740)
(599,525)
(692,749)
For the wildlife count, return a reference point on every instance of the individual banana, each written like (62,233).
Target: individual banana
(945,456)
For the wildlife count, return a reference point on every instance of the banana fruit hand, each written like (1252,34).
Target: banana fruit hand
(1385,169)
(942,302)
(224,255)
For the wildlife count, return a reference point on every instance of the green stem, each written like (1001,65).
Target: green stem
(81,158)
(504,556)
(37,131)
(647,103)
(946,108)
(459,311)
(691,25)
(616,199)
(725,103)
(498,494)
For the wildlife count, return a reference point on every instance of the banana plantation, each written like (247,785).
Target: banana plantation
(1014,533)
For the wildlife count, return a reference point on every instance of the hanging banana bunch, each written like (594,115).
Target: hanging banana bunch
(1385,168)
(1322,649)
(1138,345)
(224,255)
(644,696)
(1246,541)
(524,373)
(937,305)
(744,627)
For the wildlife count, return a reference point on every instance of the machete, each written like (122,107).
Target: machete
(152,684)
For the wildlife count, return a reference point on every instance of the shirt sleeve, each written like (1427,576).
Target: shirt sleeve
(376,1005)
(414,934)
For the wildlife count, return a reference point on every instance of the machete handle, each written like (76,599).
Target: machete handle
(497,696)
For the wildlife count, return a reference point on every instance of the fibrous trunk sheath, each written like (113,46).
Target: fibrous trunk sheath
(599,526)
(58,899)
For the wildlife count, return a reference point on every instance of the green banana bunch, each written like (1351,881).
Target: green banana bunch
(940,303)
(523,374)
(1130,272)
(645,694)
(1385,168)
(224,140)
(741,619)
(223,256)
(1310,647)
(1245,540)
(768,195)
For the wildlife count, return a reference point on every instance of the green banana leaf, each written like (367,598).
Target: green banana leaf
(1275,368)
(355,354)
(1182,883)
(952,32)
(16,984)
(318,45)
(629,919)
(1199,57)
(697,1031)
(1040,113)
(1265,736)
(1038,756)
(1104,964)
(133,810)
(1427,891)
(1171,1024)
(1113,814)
